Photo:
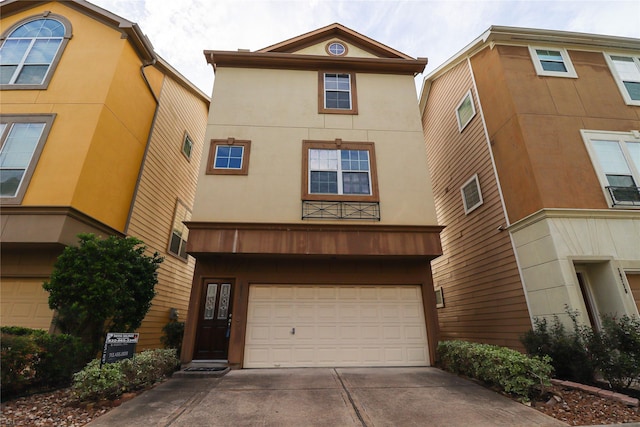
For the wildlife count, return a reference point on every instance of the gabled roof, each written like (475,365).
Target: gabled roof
(282,55)
(130,30)
(335,30)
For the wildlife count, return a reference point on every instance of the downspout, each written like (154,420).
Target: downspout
(146,149)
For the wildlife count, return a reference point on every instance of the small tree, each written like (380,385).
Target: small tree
(102,285)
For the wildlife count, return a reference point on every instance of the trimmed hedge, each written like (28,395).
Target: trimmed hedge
(33,360)
(114,379)
(507,369)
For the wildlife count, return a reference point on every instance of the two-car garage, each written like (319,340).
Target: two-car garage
(335,325)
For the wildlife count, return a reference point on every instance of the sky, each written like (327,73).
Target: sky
(180,30)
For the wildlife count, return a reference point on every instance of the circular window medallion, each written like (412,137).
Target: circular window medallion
(336,48)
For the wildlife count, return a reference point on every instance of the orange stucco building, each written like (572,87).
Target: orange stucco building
(534,149)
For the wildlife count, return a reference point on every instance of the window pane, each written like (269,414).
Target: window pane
(32,74)
(40,28)
(344,100)
(43,51)
(634,150)
(549,55)
(634,90)
(6,72)
(355,183)
(620,181)
(13,51)
(626,68)
(20,145)
(611,157)
(10,181)
(553,66)
(465,111)
(354,160)
(174,246)
(323,182)
(235,163)
(323,159)
(228,157)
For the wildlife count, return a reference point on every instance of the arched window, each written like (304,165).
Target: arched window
(31,50)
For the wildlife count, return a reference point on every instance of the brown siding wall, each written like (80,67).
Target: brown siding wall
(634,284)
(484,299)
(534,126)
(168,176)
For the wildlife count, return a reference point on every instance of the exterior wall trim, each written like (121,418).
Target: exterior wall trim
(543,214)
(314,239)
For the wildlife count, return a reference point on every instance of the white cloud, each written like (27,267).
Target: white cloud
(437,29)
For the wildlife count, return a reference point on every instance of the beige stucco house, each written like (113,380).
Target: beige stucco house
(313,224)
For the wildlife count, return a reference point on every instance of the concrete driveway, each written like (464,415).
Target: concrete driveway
(324,397)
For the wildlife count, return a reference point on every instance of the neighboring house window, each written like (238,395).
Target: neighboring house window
(471,195)
(336,49)
(439,297)
(31,51)
(626,71)
(553,62)
(465,111)
(179,231)
(187,146)
(616,157)
(337,93)
(228,157)
(21,141)
(339,171)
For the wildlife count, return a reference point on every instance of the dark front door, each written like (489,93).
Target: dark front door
(214,321)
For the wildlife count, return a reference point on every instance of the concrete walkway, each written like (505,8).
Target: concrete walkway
(324,397)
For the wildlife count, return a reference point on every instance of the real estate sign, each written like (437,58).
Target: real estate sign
(118,346)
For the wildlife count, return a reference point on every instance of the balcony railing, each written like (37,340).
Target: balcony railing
(624,196)
(312,209)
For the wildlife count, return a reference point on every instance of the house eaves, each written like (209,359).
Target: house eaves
(275,60)
(525,36)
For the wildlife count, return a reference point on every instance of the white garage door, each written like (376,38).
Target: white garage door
(304,326)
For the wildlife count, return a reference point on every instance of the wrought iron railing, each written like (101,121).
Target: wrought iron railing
(624,196)
(314,209)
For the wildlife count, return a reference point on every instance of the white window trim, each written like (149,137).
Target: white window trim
(438,291)
(461,125)
(570,73)
(587,136)
(469,209)
(616,76)
(184,140)
(338,90)
(340,173)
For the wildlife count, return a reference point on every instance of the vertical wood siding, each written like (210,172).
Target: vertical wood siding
(484,299)
(168,176)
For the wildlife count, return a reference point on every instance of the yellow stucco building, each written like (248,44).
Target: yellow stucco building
(98,134)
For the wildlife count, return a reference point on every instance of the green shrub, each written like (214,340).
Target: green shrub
(33,360)
(568,350)
(612,352)
(173,333)
(141,371)
(509,370)
(615,351)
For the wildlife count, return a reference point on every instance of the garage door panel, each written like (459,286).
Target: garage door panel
(353,325)
(25,303)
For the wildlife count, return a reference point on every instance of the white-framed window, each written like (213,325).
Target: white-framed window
(626,72)
(339,172)
(465,111)
(187,146)
(21,141)
(471,194)
(179,231)
(616,159)
(228,157)
(337,93)
(552,61)
(31,50)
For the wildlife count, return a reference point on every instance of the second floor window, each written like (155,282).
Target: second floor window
(30,51)
(553,62)
(339,171)
(616,157)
